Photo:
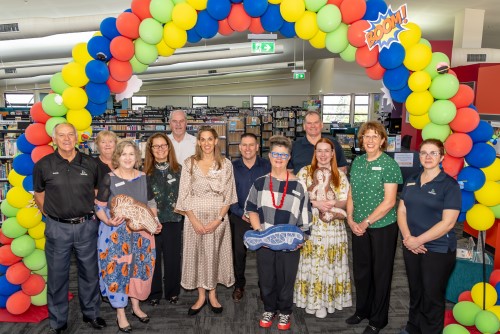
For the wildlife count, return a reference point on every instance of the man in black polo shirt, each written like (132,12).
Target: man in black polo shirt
(303,147)
(64,184)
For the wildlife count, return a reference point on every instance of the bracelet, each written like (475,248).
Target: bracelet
(221,218)
(368,221)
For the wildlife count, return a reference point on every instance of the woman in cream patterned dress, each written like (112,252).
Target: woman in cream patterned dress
(323,281)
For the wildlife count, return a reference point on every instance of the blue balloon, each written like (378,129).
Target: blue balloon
(373,8)
(108,28)
(98,48)
(482,133)
(255,8)
(236,1)
(401,95)
(396,78)
(7,288)
(23,164)
(468,200)
(193,36)
(28,183)
(3,269)
(461,217)
(219,9)
(3,301)
(97,92)
(206,26)
(392,57)
(482,155)
(96,109)
(473,107)
(97,71)
(287,29)
(272,20)
(472,178)
(24,145)
(128,10)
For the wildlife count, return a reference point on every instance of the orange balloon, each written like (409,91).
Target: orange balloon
(38,114)
(366,57)
(352,10)
(335,2)
(127,25)
(466,120)
(452,165)
(141,8)
(356,33)
(238,19)
(120,70)
(256,26)
(116,87)
(18,303)
(41,151)
(224,28)
(376,72)
(464,97)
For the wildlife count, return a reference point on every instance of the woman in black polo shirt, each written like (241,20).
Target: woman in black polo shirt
(429,207)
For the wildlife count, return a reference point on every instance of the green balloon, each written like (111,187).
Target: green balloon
(444,86)
(425,42)
(329,18)
(12,229)
(349,54)
(455,329)
(53,105)
(144,52)
(442,112)
(495,209)
(437,57)
(23,246)
(315,5)
(161,10)
(52,122)
(42,271)
(8,210)
(137,66)
(465,312)
(40,299)
(487,322)
(336,41)
(57,83)
(436,131)
(151,31)
(178,1)
(36,260)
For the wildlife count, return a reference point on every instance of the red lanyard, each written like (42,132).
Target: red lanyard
(272,192)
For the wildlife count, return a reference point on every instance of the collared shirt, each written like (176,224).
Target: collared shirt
(303,152)
(244,178)
(165,186)
(425,204)
(69,186)
(185,148)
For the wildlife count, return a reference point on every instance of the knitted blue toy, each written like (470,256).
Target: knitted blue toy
(281,237)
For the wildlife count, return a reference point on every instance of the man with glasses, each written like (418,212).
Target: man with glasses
(246,170)
(184,143)
(303,147)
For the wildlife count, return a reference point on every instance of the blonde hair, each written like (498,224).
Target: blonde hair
(105,134)
(120,147)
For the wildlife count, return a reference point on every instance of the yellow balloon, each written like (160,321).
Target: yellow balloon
(319,40)
(80,118)
(480,217)
(81,54)
(492,172)
(484,289)
(417,57)
(184,16)
(488,194)
(18,197)
(292,10)
(198,4)
(40,244)
(419,81)
(37,232)
(75,98)
(15,178)
(174,36)
(275,2)
(411,35)
(74,74)
(84,135)
(29,217)
(419,122)
(496,310)
(419,103)
(306,26)
(164,50)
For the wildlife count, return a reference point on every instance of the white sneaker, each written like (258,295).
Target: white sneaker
(321,313)
(310,311)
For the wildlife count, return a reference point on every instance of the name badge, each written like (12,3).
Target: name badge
(171,181)
(295,192)
(119,184)
(410,183)
(376,168)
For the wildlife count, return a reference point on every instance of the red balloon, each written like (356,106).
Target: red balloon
(256,26)
(464,97)
(18,303)
(41,151)
(36,134)
(335,2)
(356,33)
(128,25)
(7,258)
(116,87)
(452,165)
(465,297)
(495,277)
(224,28)
(4,240)
(458,145)
(238,19)
(141,8)
(376,72)
(122,48)
(33,285)
(366,57)
(120,70)
(352,10)
(17,273)
(466,120)
(38,114)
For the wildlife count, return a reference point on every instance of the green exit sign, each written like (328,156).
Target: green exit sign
(299,75)
(263,47)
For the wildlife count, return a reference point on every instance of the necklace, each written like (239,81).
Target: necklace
(161,165)
(284,191)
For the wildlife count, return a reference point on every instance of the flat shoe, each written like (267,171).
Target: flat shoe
(173,300)
(126,329)
(195,311)
(154,302)
(144,319)
(354,319)
(214,309)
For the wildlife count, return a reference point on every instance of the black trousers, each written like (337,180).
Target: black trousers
(167,280)
(428,276)
(61,240)
(238,229)
(277,273)
(373,261)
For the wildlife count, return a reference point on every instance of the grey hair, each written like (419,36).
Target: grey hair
(66,123)
(179,111)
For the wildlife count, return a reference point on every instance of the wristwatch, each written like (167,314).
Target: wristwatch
(368,221)
(221,218)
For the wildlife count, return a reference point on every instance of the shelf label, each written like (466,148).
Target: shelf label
(263,46)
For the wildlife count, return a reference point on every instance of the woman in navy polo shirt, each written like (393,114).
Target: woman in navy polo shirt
(429,207)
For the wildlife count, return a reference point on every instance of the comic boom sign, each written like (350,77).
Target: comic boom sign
(386,29)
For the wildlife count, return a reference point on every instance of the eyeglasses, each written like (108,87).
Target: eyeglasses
(323,151)
(371,138)
(157,147)
(277,155)
(429,154)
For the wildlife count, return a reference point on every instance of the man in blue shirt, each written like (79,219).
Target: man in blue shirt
(246,170)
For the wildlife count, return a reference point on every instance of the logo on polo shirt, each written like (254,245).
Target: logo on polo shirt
(55,173)
(83,173)
(432,192)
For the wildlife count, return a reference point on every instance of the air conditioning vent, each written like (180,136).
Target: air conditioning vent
(212,71)
(10,70)
(479,57)
(9,27)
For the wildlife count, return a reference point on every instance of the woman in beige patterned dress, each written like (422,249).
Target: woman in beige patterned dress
(206,191)
(323,281)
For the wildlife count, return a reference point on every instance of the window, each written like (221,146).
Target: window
(19,100)
(260,102)
(139,102)
(200,101)
(336,108)
(361,103)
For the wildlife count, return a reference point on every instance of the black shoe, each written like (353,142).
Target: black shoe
(214,309)
(144,319)
(126,329)
(195,311)
(58,330)
(354,319)
(154,302)
(238,294)
(173,300)
(97,323)
(371,330)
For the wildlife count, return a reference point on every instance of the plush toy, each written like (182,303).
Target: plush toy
(321,190)
(281,237)
(136,214)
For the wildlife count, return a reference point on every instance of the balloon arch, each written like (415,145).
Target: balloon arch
(369,32)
